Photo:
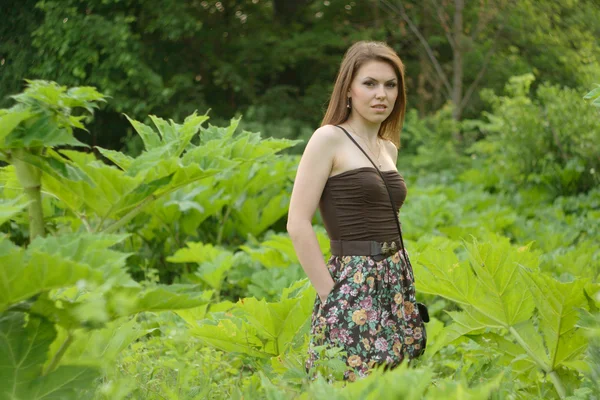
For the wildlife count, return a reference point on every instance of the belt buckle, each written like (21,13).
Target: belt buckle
(389,248)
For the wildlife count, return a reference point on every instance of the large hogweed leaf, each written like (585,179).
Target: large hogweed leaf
(10,208)
(60,262)
(439,271)
(403,382)
(100,347)
(256,327)
(499,289)
(277,250)
(213,261)
(23,350)
(259,196)
(41,132)
(90,249)
(459,389)
(504,297)
(280,322)
(24,345)
(170,162)
(230,335)
(26,273)
(10,119)
(489,283)
(183,211)
(123,301)
(100,194)
(558,306)
(43,115)
(94,306)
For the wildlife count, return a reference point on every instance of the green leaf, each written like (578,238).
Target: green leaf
(102,347)
(592,94)
(43,132)
(194,315)
(189,129)
(512,354)
(10,120)
(280,322)
(558,304)
(438,271)
(89,249)
(23,351)
(503,294)
(103,196)
(530,340)
(276,251)
(10,208)
(167,131)
(490,283)
(400,383)
(451,390)
(219,133)
(230,335)
(122,160)
(213,261)
(57,262)
(149,137)
(130,300)
(55,165)
(64,383)
(463,324)
(22,278)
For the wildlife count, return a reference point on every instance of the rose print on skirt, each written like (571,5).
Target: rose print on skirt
(371,313)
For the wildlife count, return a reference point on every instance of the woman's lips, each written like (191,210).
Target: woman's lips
(379,108)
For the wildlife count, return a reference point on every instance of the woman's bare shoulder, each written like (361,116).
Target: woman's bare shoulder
(328,133)
(391,148)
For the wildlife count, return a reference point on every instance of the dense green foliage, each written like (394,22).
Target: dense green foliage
(274,61)
(158,245)
(512,285)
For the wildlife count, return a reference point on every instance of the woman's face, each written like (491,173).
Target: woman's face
(374,91)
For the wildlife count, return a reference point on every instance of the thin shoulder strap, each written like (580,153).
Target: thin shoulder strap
(388,190)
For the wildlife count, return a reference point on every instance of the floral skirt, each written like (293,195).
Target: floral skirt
(371,313)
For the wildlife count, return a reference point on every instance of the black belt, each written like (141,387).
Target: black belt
(364,247)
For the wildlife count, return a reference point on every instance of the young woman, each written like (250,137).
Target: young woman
(365,293)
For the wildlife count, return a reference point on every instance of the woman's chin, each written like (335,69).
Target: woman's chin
(374,118)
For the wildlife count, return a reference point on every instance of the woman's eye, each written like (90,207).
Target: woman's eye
(369,83)
(391,85)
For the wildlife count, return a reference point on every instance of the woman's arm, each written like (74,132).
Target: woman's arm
(313,171)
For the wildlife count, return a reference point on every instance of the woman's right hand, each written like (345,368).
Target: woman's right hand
(323,296)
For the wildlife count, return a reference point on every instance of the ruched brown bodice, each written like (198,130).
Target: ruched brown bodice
(355,205)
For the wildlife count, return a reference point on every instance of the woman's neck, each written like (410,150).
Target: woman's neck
(364,129)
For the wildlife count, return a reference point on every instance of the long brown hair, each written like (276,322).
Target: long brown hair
(356,56)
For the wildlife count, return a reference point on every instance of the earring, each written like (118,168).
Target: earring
(348,103)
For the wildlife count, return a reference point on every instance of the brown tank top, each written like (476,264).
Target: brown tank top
(355,205)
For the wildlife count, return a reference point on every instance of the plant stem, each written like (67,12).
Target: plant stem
(129,216)
(562,393)
(222,227)
(546,368)
(59,354)
(30,179)
(529,352)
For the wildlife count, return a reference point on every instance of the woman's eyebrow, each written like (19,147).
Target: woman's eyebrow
(389,80)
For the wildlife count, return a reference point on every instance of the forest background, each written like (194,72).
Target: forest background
(172,275)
